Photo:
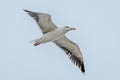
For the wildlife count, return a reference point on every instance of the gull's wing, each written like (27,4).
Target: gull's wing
(72,50)
(43,20)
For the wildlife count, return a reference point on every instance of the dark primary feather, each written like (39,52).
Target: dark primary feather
(32,14)
(74,59)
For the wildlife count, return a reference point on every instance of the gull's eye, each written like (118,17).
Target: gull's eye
(67,27)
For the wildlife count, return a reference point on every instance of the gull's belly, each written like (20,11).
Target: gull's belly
(51,37)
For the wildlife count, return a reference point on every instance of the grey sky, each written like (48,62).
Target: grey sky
(98,30)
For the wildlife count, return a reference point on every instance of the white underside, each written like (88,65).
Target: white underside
(50,36)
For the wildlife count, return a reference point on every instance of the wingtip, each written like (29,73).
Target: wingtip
(82,68)
(26,10)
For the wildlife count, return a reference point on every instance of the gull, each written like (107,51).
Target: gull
(51,33)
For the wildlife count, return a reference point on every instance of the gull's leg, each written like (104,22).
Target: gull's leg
(43,39)
(36,43)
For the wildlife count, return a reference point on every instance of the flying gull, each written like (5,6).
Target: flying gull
(51,33)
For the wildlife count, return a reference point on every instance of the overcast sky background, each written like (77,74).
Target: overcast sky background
(97,34)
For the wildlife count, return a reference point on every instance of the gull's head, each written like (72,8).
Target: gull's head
(67,28)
